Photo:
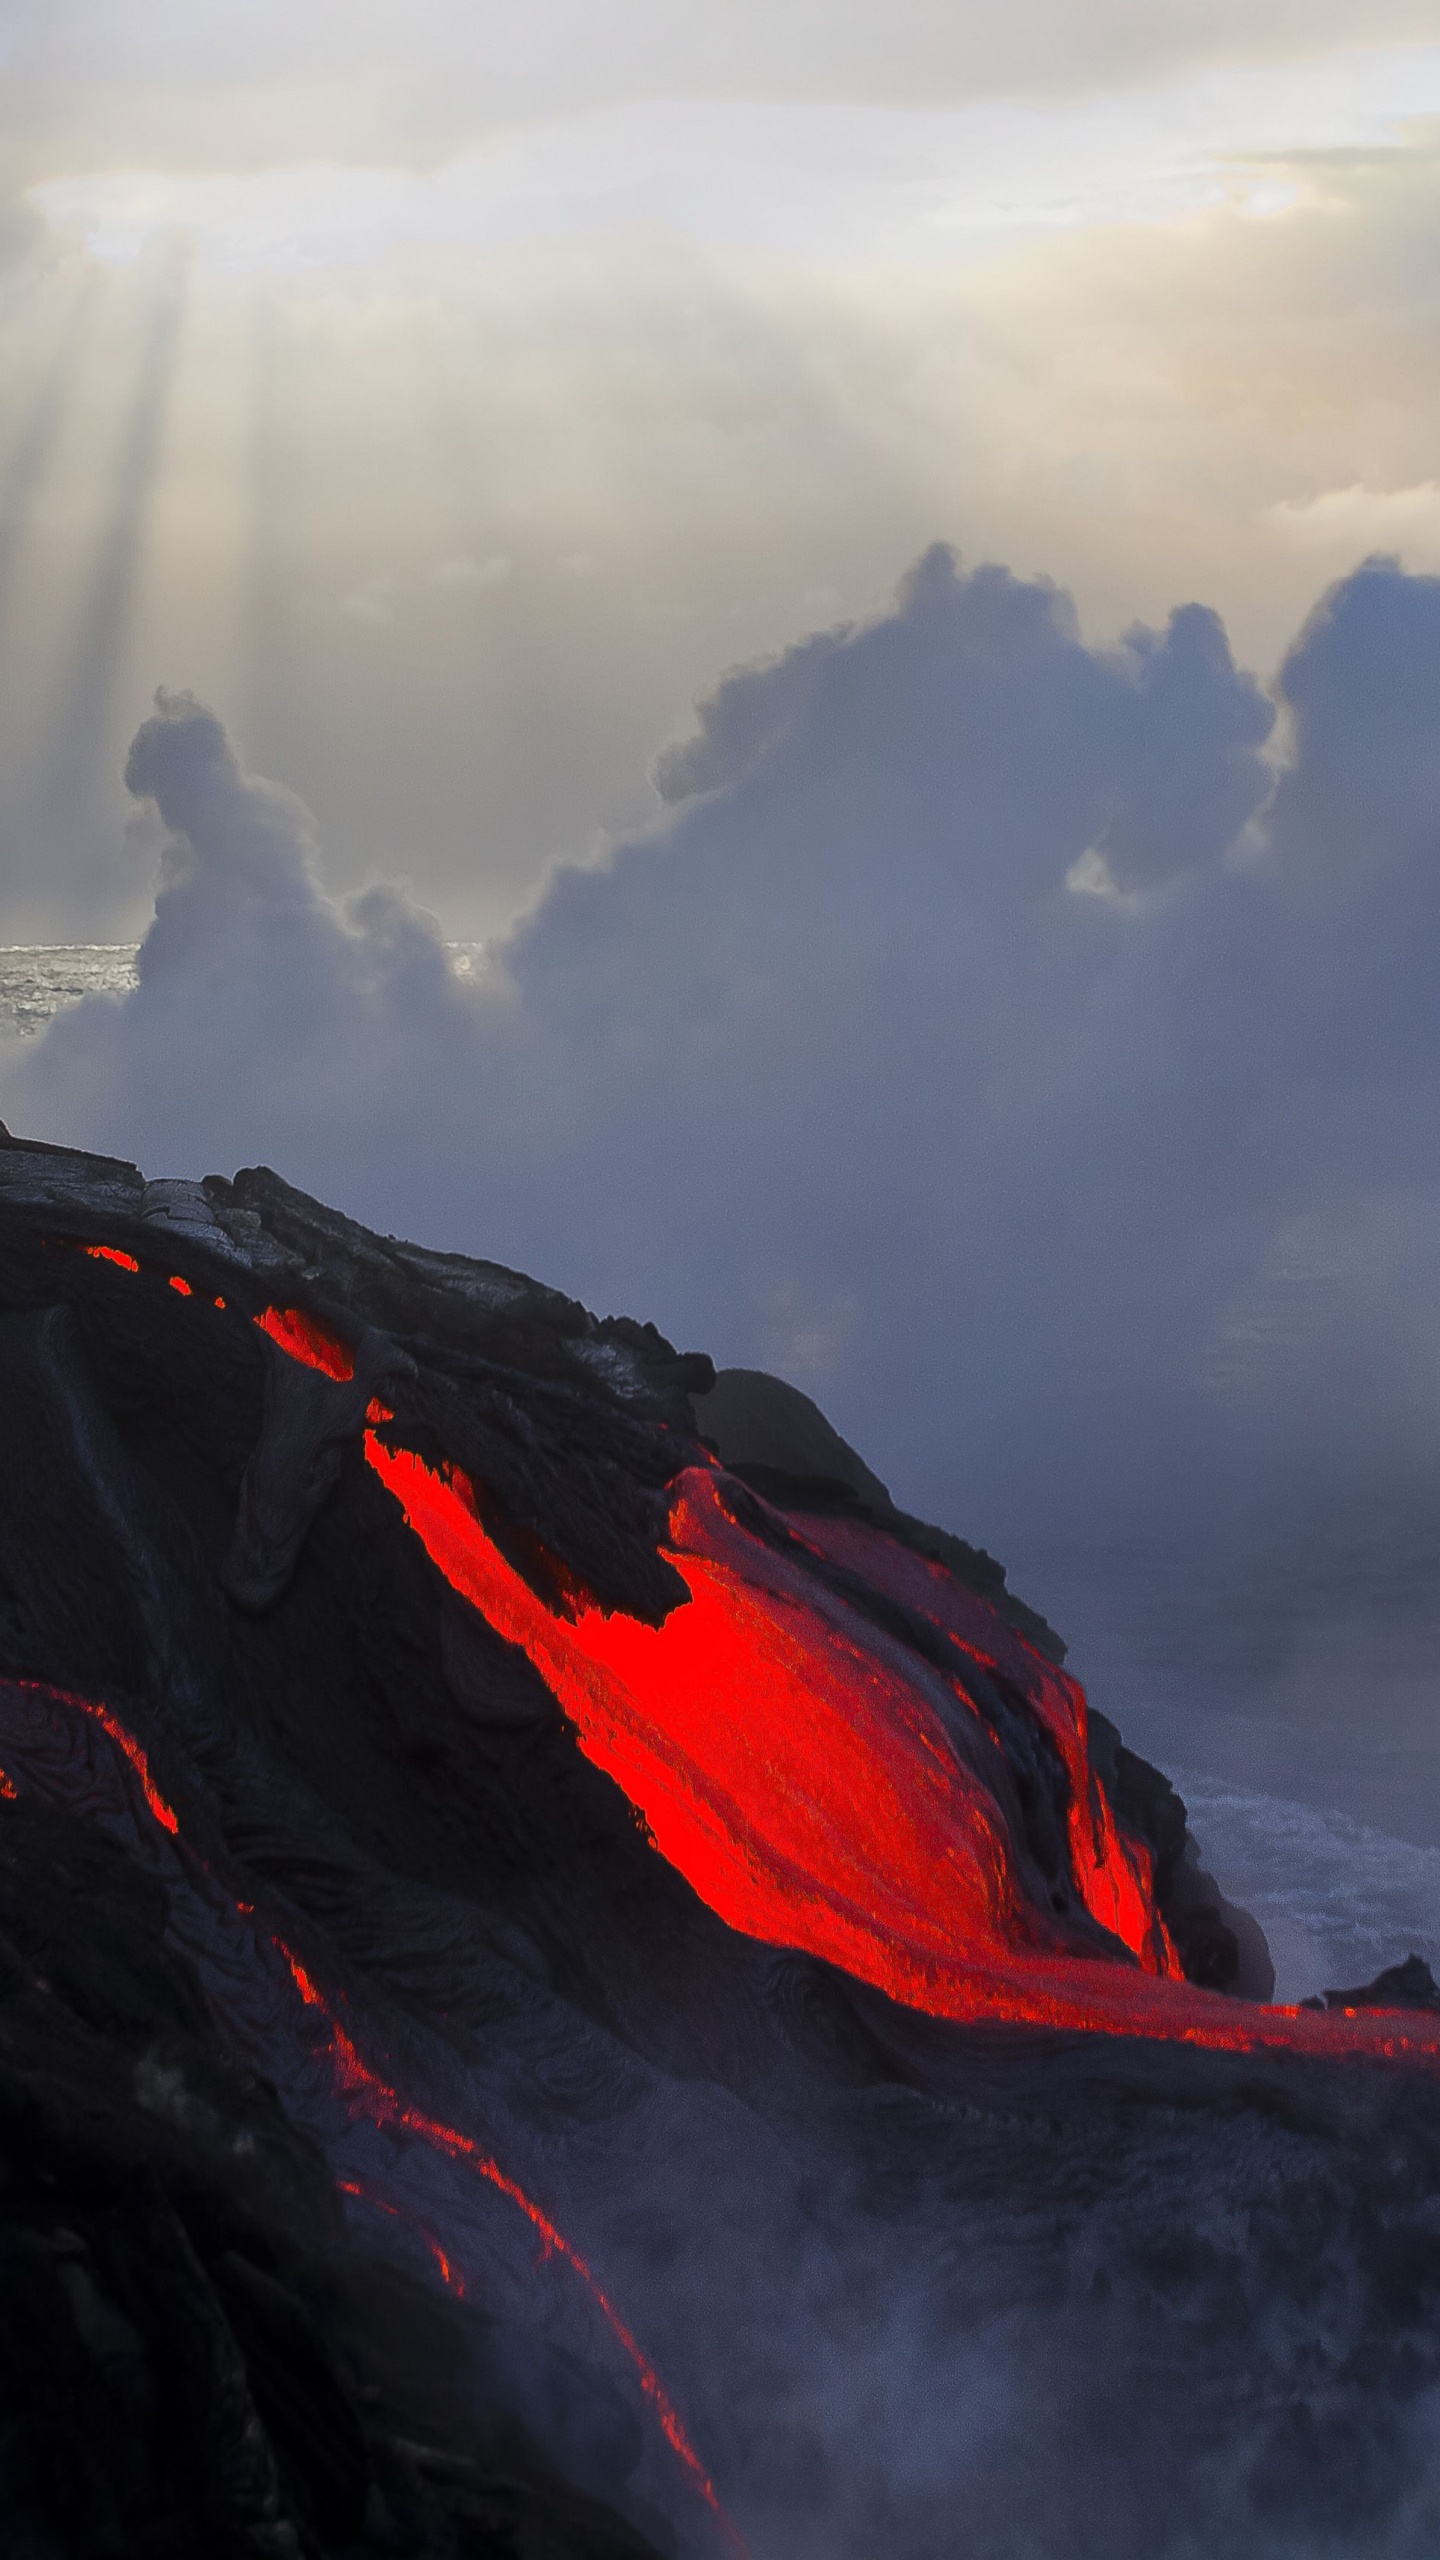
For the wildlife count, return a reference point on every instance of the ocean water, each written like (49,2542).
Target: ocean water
(1336,1900)
(38,980)
(1296,1707)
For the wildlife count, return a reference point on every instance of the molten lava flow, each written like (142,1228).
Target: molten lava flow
(306,1339)
(790,1762)
(128,1262)
(797,1773)
(387,2109)
(313,1343)
(783,1766)
(1115,1874)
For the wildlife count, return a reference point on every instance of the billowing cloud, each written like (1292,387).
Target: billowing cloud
(973,1041)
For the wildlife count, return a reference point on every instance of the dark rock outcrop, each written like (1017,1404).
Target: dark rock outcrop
(777,1439)
(1410,1985)
(192,2357)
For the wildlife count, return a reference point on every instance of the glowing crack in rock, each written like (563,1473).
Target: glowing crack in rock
(451,2275)
(118,1733)
(366,2092)
(388,2110)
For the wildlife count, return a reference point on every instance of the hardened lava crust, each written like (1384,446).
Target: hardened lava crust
(573,1981)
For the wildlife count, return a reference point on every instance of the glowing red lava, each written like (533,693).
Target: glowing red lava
(788,1760)
(306,1339)
(1114,1874)
(794,1769)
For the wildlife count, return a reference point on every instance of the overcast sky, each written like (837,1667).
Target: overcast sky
(450,394)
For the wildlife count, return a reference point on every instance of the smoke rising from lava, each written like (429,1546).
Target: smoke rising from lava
(1029,1047)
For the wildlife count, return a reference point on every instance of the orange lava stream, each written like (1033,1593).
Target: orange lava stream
(804,1784)
(1115,1874)
(387,2108)
(806,1787)
(306,1339)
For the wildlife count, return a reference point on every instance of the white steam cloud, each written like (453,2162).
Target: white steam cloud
(984,1038)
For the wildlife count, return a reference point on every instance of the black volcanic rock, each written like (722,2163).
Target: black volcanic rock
(777,1439)
(1410,1985)
(397,2155)
(191,2356)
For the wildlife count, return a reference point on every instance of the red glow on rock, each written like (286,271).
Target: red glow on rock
(182,1286)
(450,2274)
(1114,1874)
(368,2093)
(7,1788)
(795,1770)
(387,2109)
(112,1253)
(376,1412)
(308,1340)
(123,1739)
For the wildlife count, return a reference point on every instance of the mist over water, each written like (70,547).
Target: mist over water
(1292,1698)
(1305,1671)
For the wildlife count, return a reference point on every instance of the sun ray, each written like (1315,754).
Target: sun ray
(80,720)
(43,426)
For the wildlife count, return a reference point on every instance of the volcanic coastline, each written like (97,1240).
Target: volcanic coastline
(573,1981)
